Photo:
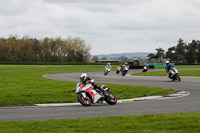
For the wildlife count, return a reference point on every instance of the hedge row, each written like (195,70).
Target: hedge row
(54,63)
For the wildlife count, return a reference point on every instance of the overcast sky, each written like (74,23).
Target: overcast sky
(109,26)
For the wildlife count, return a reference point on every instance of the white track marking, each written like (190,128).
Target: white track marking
(176,95)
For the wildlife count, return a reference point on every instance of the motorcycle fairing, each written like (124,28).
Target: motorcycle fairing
(126,68)
(89,89)
(118,68)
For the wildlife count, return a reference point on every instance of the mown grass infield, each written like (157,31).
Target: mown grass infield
(180,66)
(195,73)
(24,85)
(173,123)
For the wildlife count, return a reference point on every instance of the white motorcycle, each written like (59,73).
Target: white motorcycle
(87,95)
(174,74)
(107,70)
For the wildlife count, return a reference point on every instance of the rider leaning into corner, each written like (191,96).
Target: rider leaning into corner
(108,66)
(125,65)
(85,79)
(168,67)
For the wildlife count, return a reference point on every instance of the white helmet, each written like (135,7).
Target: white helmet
(108,64)
(167,62)
(83,77)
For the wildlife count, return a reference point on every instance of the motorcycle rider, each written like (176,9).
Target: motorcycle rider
(108,66)
(146,68)
(168,67)
(125,65)
(120,66)
(85,79)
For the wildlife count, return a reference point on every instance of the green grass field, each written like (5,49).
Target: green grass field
(173,123)
(24,85)
(179,66)
(195,73)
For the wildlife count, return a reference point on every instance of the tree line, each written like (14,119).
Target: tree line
(26,49)
(183,52)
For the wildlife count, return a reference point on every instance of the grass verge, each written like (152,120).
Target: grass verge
(195,73)
(24,85)
(173,123)
(180,66)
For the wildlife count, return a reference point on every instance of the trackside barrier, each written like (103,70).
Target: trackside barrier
(158,64)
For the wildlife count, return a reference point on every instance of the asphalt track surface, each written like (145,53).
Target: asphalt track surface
(187,104)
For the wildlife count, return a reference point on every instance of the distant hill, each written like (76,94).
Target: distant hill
(134,55)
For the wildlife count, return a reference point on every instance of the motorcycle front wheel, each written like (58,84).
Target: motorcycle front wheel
(176,77)
(84,101)
(124,73)
(105,73)
(110,98)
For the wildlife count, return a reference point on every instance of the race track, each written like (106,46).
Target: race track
(187,104)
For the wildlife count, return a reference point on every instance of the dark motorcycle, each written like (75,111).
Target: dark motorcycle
(125,71)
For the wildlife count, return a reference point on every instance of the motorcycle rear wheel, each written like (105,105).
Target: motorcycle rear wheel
(110,98)
(84,101)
